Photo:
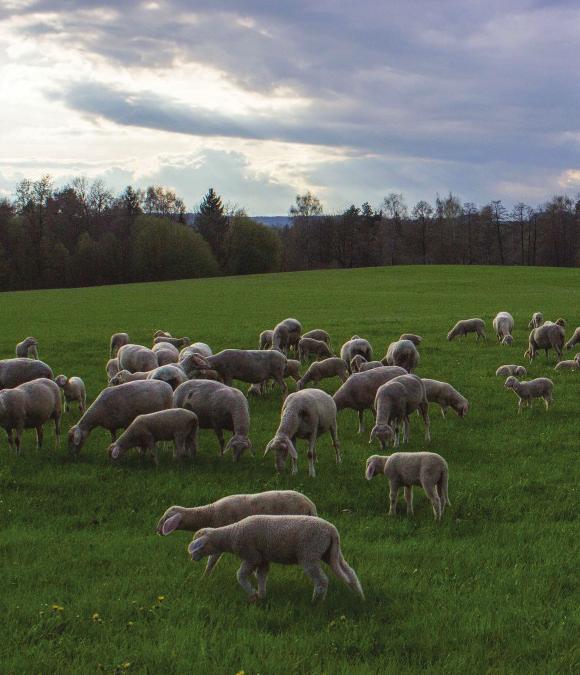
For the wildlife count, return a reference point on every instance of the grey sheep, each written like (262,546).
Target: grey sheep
(547,336)
(179,343)
(116,407)
(394,402)
(571,364)
(218,407)
(318,334)
(265,339)
(574,340)
(503,324)
(309,346)
(29,406)
(541,387)
(446,397)
(465,326)
(286,335)
(406,469)
(288,540)
(305,414)
(112,368)
(402,353)
(359,391)
(17,371)
(136,358)
(73,390)
(145,431)
(319,370)
(161,333)
(166,353)
(356,362)
(118,340)
(415,339)
(369,365)
(511,369)
(232,509)
(356,345)
(28,348)
(292,370)
(537,320)
(171,373)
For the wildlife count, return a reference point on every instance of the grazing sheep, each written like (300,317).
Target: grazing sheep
(286,335)
(265,339)
(218,407)
(28,348)
(17,371)
(73,389)
(547,336)
(370,365)
(359,391)
(124,376)
(248,365)
(503,324)
(356,345)
(465,326)
(394,402)
(305,414)
(118,340)
(446,396)
(166,353)
(172,374)
(511,369)
(406,469)
(112,368)
(176,342)
(116,407)
(289,540)
(415,339)
(402,353)
(572,364)
(541,387)
(292,370)
(145,431)
(29,406)
(356,362)
(319,370)
(574,340)
(136,358)
(318,334)
(161,333)
(309,346)
(232,509)
(537,320)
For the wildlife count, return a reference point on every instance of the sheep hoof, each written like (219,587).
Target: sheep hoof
(254,598)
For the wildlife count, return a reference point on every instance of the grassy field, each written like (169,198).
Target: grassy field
(89,587)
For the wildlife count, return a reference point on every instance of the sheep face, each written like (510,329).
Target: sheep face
(383,433)
(452,334)
(356,362)
(201,545)
(61,380)
(237,444)
(114,451)
(520,371)
(76,439)
(461,408)
(168,522)
(511,382)
(375,466)
(120,378)
(507,340)
(560,322)
(283,447)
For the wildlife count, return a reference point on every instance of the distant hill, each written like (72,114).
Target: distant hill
(270,221)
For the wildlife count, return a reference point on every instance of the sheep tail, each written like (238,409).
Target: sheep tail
(341,568)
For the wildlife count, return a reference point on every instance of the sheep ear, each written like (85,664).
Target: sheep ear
(171,524)
(370,472)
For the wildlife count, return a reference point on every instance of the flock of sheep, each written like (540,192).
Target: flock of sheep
(169,392)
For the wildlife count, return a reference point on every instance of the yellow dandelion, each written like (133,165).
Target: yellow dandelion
(160,598)
(126,665)
(241,672)
(57,608)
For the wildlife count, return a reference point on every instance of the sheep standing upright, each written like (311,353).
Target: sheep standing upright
(28,348)
(446,396)
(547,336)
(537,320)
(503,324)
(318,334)
(73,390)
(541,387)
(265,339)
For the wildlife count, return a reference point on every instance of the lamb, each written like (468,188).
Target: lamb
(166,353)
(28,348)
(14,372)
(406,469)
(537,320)
(289,540)
(402,353)
(136,358)
(175,424)
(292,370)
(547,336)
(511,369)
(319,370)
(118,340)
(574,340)
(232,509)
(541,387)
(218,407)
(249,365)
(572,364)
(286,335)
(356,345)
(359,391)
(176,342)
(73,389)
(446,397)
(359,364)
(503,324)
(415,339)
(465,326)
(112,368)
(30,405)
(394,402)
(305,414)
(318,334)
(265,339)
(116,407)
(309,346)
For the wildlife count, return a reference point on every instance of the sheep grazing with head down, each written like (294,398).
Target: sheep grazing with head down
(74,391)
(394,402)
(166,353)
(305,414)
(318,334)
(446,397)
(537,320)
(570,365)
(136,358)
(292,370)
(178,343)
(541,387)
(547,336)
(17,371)
(574,340)
(118,340)
(402,353)
(465,326)
(28,348)
(359,364)
(112,368)
(356,345)
(265,339)
(288,540)
(310,347)
(286,335)
(406,469)
(320,370)
(161,333)
(415,339)
(503,325)
(511,369)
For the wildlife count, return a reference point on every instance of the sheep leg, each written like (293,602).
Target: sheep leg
(547,401)
(443,409)
(431,492)
(405,429)
(319,579)
(409,499)
(9,433)
(212,561)
(361,421)
(334,436)
(426,421)
(19,431)
(393,495)
(281,382)
(220,436)
(262,574)
(243,576)
(519,405)
(57,422)
(311,455)
(39,437)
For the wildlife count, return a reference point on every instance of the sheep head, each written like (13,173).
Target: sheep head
(375,466)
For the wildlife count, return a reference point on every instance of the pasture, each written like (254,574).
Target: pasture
(89,587)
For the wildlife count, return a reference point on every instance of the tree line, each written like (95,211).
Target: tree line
(83,235)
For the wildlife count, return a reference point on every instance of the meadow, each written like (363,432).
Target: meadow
(89,587)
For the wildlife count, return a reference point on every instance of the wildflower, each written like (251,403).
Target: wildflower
(96,617)
(126,665)
(241,672)
(160,598)
(57,608)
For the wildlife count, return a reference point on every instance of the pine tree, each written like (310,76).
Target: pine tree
(213,224)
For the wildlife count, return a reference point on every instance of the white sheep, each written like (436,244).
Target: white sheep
(288,540)
(286,335)
(319,370)
(136,358)
(541,387)
(265,339)
(166,353)
(547,336)
(406,469)
(73,390)
(415,339)
(574,340)
(537,320)
(14,372)
(309,346)
(28,348)
(118,340)
(178,343)
(465,326)
(511,369)
(318,334)
(112,368)
(570,365)
(503,324)
(402,353)
(446,396)
(356,345)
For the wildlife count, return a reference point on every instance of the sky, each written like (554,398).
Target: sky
(263,100)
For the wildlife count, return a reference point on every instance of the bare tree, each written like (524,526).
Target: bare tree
(422,213)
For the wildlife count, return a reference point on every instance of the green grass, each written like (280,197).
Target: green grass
(492,589)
